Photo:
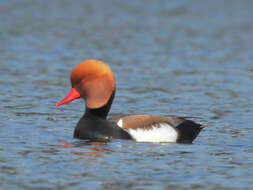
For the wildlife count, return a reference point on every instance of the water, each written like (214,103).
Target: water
(186,58)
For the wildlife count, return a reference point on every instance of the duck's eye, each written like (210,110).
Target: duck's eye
(82,81)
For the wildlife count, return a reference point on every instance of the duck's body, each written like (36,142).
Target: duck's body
(155,128)
(93,81)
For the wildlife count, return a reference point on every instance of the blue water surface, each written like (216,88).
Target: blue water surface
(186,58)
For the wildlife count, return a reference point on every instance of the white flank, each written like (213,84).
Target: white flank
(164,133)
(120,123)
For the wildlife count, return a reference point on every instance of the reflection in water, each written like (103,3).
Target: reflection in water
(92,149)
(94,152)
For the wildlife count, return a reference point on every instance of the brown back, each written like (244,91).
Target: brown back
(145,120)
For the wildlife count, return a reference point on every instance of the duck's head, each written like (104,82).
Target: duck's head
(93,81)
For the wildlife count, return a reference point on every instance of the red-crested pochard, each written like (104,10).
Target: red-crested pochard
(93,81)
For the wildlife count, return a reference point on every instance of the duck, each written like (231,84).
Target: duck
(93,81)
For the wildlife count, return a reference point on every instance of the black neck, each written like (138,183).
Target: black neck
(100,112)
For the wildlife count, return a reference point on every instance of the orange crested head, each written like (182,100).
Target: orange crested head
(93,81)
(89,70)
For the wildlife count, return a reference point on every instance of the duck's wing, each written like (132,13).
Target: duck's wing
(154,128)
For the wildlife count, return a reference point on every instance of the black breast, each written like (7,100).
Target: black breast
(94,126)
(97,129)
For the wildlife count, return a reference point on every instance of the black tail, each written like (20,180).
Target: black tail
(188,131)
